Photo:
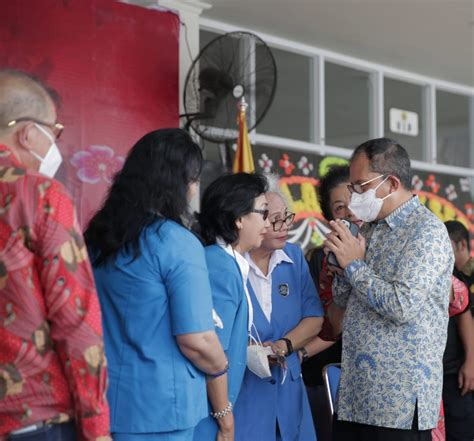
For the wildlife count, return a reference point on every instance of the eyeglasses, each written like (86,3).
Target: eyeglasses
(264,213)
(357,188)
(288,221)
(56,128)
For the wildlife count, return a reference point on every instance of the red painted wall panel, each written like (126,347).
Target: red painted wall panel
(115,67)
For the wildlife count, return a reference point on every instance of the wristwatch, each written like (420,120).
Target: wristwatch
(289,346)
(304,354)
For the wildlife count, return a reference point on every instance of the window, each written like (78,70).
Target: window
(452,123)
(290,115)
(347,93)
(405,97)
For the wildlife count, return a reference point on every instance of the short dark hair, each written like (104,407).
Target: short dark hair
(336,175)
(224,201)
(152,184)
(23,94)
(457,232)
(387,157)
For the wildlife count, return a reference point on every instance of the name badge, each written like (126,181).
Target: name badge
(284,289)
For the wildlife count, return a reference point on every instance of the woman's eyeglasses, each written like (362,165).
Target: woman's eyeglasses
(288,221)
(264,213)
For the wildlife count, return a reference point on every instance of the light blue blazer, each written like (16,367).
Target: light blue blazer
(230,304)
(145,303)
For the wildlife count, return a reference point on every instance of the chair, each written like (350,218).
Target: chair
(331,377)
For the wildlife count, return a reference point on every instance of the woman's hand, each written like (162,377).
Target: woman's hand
(278,347)
(226,428)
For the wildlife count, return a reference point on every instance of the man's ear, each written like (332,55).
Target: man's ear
(395,183)
(239,223)
(26,136)
(462,245)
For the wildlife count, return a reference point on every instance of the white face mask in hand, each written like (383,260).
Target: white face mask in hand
(257,356)
(257,360)
(51,162)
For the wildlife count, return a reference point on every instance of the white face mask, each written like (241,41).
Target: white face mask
(51,162)
(257,360)
(366,206)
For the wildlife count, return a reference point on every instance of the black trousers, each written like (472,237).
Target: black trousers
(458,411)
(348,431)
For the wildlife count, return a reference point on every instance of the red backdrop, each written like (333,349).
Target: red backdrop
(115,67)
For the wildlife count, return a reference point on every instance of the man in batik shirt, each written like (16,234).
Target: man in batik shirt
(395,285)
(52,365)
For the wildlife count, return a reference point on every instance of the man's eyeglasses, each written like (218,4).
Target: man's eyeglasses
(288,221)
(56,128)
(357,188)
(264,213)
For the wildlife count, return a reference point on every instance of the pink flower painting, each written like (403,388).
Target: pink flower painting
(97,163)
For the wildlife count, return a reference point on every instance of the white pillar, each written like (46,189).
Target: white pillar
(189,12)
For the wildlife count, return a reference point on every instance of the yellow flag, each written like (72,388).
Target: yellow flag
(243,161)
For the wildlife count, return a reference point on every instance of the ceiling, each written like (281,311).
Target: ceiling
(429,37)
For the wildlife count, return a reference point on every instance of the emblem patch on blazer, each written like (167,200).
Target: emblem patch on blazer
(284,289)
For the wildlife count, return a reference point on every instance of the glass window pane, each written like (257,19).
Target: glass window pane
(408,97)
(205,37)
(290,114)
(452,115)
(347,93)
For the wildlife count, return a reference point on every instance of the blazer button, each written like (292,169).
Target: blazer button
(272,381)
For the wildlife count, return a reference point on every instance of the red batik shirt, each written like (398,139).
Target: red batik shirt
(52,364)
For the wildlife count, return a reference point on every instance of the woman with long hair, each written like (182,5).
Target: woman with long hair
(233,220)
(155,296)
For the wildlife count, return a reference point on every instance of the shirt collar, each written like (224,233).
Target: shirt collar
(277,257)
(241,262)
(8,158)
(400,215)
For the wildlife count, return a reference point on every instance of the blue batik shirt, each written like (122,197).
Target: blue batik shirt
(396,319)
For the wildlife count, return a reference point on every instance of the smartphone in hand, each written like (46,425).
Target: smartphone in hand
(354,229)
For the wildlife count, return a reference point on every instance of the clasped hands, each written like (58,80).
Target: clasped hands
(344,245)
(279,352)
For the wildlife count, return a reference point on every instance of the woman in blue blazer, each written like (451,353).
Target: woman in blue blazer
(233,220)
(155,295)
(287,313)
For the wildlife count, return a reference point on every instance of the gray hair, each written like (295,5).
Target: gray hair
(274,186)
(22,95)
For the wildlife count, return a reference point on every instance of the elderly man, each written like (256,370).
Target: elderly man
(52,365)
(394,285)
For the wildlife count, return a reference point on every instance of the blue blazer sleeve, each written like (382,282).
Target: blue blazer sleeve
(183,266)
(227,291)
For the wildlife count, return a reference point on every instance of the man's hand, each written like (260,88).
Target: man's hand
(344,245)
(466,377)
